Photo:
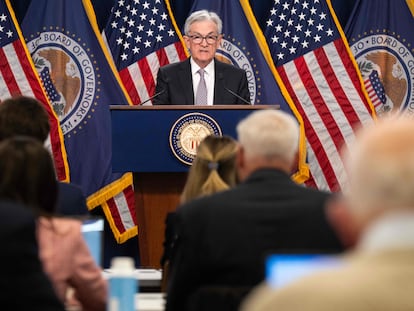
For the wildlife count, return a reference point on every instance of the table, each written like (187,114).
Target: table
(150,302)
(149,280)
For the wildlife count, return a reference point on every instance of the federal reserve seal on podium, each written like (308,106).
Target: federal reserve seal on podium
(187,133)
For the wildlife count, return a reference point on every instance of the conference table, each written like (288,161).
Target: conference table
(149,297)
(150,302)
(149,280)
(143,302)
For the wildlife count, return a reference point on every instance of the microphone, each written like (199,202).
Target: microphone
(238,96)
(246,102)
(152,97)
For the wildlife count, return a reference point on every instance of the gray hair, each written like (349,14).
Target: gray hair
(380,164)
(202,15)
(269,134)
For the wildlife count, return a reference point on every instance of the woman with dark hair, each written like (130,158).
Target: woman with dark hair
(27,176)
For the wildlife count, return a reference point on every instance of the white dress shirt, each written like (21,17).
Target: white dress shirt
(208,77)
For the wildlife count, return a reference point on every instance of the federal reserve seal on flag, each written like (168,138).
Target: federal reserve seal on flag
(386,63)
(68,74)
(187,133)
(231,53)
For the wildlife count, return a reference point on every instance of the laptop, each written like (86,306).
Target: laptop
(282,269)
(92,231)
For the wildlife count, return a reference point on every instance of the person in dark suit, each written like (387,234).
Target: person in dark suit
(223,239)
(23,284)
(375,216)
(180,83)
(71,200)
(213,170)
(24,115)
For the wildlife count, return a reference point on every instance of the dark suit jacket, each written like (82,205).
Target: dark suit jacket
(169,237)
(71,200)
(23,284)
(223,239)
(175,83)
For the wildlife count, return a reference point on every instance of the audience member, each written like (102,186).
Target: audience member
(23,284)
(26,116)
(213,170)
(23,115)
(222,83)
(27,176)
(223,239)
(377,212)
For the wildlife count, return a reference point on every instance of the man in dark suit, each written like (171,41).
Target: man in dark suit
(23,284)
(201,79)
(375,216)
(223,239)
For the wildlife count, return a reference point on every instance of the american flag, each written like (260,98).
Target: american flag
(18,77)
(142,36)
(312,58)
(375,90)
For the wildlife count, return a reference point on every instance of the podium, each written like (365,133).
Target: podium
(156,144)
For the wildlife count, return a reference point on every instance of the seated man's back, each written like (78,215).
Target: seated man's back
(223,239)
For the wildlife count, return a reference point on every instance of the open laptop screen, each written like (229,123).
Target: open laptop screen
(92,231)
(282,269)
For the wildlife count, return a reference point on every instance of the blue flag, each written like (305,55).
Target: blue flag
(381,37)
(244,46)
(67,50)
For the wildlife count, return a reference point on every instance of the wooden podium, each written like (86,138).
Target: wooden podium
(143,143)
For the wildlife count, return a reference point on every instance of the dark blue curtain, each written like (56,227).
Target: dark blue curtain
(182,7)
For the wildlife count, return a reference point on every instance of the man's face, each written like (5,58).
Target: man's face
(203,40)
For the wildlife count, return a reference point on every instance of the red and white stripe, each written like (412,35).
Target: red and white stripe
(376,101)
(326,90)
(122,210)
(17,77)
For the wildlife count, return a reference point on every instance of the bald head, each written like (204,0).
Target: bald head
(381,166)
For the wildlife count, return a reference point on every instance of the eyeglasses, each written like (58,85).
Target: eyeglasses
(197,39)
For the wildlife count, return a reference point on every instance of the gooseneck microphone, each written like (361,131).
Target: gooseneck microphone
(246,102)
(152,97)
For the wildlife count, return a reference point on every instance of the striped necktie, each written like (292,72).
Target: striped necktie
(201,95)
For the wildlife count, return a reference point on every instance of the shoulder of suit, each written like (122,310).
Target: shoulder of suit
(64,186)
(195,205)
(225,66)
(199,205)
(175,66)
